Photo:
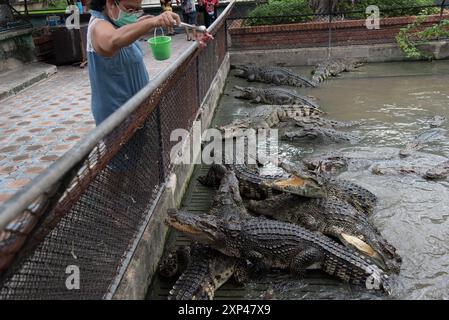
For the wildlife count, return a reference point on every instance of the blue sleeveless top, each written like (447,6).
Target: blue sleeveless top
(113,80)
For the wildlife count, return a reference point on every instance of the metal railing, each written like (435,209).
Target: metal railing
(291,12)
(298,25)
(89,208)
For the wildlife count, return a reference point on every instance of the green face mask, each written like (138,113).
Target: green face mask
(124,18)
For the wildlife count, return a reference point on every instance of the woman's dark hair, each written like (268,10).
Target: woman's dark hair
(97,5)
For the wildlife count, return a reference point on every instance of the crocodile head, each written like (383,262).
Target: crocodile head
(204,228)
(247,93)
(354,63)
(408,150)
(327,163)
(245,71)
(299,182)
(218,233)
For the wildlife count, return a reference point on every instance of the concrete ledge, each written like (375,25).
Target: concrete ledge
(149,250)
(310,56)
(21,77)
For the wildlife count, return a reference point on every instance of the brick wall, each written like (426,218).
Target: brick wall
(315,34)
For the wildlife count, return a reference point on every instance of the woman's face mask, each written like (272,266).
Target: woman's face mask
(124,17)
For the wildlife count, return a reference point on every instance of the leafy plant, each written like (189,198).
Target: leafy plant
(389,8)
(291,11)
(279,12)
(411,37)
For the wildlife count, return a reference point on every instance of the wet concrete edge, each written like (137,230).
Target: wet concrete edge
(388,52)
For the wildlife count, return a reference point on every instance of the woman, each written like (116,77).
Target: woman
(115,61)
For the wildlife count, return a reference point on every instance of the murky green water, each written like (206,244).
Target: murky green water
(393,100)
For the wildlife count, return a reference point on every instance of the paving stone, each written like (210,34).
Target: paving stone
(39,124)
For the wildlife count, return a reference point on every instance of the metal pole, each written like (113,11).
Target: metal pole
(329,45)
(26,6)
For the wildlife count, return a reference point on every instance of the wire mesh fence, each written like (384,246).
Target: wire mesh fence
(275,24)
(92,215)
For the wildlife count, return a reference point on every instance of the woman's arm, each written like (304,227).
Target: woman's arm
(107,40)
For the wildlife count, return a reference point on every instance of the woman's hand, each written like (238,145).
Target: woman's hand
(167,19)
(203,39)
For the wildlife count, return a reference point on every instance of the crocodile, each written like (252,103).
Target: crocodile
(273,75)
(332,68)
(324,135)
(280,245)
(436,121)
(295,180)
(384,162)
(335,218)
(208,270)
(440,171)
(435,172)
(281,116)
(363,200)
(356,159)
(274,96)
(252,185)
(332,163)
(419,142)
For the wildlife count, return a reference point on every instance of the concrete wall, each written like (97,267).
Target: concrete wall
(16,46)
(310,56)
(316,33)
(144,262)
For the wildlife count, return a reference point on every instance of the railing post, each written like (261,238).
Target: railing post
(329,45)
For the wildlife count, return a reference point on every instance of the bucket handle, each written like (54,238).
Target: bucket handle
(155,29)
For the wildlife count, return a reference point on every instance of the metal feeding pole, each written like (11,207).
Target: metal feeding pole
(443,4)
(329,45)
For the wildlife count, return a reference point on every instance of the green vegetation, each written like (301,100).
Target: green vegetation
(412,37)
(57,4)
(279,12)
(284,11)
(390,8)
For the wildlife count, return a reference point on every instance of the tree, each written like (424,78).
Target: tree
(323,7)
(5,14)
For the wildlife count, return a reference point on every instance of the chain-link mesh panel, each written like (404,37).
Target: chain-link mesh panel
(178,107)
(207,67)
(296,24)
(89,219)
(95,232)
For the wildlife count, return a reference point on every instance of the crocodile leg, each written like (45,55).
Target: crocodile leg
(258,99)
(241,273)
(305,259)
(259,267)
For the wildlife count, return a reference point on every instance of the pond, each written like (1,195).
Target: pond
(393,102)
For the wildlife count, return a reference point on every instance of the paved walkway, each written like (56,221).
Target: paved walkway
(42,122)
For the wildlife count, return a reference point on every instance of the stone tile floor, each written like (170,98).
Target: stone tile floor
(42,122)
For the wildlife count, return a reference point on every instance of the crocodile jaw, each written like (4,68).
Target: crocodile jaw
(297,186)
(200,228)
